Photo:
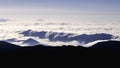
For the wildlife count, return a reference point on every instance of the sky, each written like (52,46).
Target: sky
(70,11)
(68,16)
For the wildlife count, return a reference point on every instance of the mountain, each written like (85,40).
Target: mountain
(4,46)
(113,46)
(108,46)
(100,53)
(67,37)
(31,42)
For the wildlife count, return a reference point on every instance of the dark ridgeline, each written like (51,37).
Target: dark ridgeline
(7,47)
(105,52)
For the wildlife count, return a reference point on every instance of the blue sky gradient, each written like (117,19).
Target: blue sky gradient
(79,11)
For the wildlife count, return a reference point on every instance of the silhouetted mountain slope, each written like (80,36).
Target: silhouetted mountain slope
(67,54)
(113,46)
(4,46)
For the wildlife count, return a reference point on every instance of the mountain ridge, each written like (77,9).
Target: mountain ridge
(64,54)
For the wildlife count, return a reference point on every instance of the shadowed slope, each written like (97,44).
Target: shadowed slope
(4,46)
(113,46)
(66,54)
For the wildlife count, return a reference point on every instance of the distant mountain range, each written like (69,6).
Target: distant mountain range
(59,37)
(67,37)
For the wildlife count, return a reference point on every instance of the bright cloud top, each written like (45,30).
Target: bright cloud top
(53,33)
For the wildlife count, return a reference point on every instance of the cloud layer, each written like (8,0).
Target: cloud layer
(4,20)
(58,34)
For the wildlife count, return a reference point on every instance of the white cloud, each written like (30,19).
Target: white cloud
(12,30)
(40,20)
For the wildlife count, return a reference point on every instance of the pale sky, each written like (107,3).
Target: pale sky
(73,11)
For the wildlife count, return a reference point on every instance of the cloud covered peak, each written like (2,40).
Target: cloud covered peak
(82,39)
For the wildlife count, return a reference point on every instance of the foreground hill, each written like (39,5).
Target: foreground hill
(112,46)
(105,52)
(7,47)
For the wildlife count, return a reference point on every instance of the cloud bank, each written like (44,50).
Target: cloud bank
(58,34)
(4,20)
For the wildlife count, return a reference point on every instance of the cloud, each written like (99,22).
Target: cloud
(4,20)
(40,20)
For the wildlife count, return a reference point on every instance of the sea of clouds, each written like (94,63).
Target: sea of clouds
(58,34)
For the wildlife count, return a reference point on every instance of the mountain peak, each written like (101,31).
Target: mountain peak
(31,42)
